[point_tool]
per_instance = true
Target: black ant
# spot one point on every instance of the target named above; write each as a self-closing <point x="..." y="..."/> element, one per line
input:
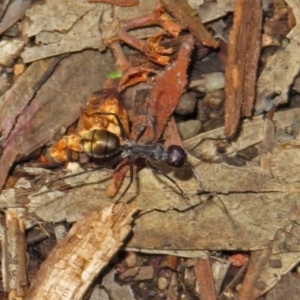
<point x="101" y="143"/>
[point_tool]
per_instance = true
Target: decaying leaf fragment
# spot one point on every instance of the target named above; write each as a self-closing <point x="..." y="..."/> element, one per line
<point x="38" y="106"/>
<point x="150" y="47"/>
<point x="164" y="96"/>
<point x="73" y="29"/>
<point x="103" y="101"/>
<point x="242" y="63"/>
<point x="76" y="28"/>
<point x="74" y="263"/>
<point x="188" y="18"/>
<point x="274" y="83"/>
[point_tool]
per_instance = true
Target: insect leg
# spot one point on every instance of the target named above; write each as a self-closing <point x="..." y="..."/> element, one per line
<point x="158" y="171"/>
<point x="202" y="185"/>
<point x="141" y="134"/>
<point x="112" y="162"/>
<point x="131" y="174"/>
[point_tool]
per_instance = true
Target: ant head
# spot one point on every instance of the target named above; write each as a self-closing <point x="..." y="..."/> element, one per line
<point x="176" y="156"/>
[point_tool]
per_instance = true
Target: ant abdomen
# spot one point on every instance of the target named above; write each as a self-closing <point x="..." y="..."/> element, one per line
<point x="176" y="156"/>
<point x="100" y="143"/>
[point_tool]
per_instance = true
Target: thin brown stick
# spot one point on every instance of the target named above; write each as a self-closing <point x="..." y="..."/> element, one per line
<point x="258" y="259"/>
<point x="242" y="63"/>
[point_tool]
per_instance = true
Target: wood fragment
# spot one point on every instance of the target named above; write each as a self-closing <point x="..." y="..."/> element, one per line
<point x="188" y="18"/>
<point x="164" y="96"/>
<point x="170" y="262"/>
<point x="228" y="291"/>
<point x="138" y="273"/>
<point x="205" y="279"/>
<point x="173" y="288"/>
<point x="13" y="255"/>
<point x="257" y="261"/>
<point x="75" y="262"/>
<point x="242" y="62"/>
<point x="163" y="101"/>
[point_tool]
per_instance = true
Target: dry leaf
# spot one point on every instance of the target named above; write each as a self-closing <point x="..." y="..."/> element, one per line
<point x="274" y="83"/>
<point x="33" y="111"/>
<point x="77" y="28"/>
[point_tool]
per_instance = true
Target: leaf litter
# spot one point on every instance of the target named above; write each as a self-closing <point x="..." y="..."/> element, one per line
<point x="261" y="196"/>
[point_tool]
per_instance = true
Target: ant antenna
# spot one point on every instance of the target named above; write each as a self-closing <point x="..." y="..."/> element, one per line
<point x="208" y="138"/>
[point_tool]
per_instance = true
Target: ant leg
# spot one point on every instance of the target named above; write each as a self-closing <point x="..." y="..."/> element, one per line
<point x="122" y="131"/>
<point x="115" y="160"/>
<point x="201" y="141"/>
<point x="212" y="193"/>
<point x="141" y="133"/>
<point x="158" y="171"/>
<point x="131" y="174"/>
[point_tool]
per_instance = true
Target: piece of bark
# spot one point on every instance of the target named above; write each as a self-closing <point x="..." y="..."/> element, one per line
<point x="205" y="279"/>
<point x="172" y="293"/>
<point x="30" y="116"/>
<point x="14" y="255"/>
<point x="74" y="263"/>
<point x="188" y="18"/>
<point x="257" y="261"/>
<point x="242" y="63"/>
<point x="164" y="96"/>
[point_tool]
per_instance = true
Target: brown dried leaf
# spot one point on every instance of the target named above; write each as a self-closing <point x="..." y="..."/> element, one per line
<point x="164" y="96"/>
<point x="274" y="83"/>
<point x="210" y="10"/>
<point x="188" y="18"/>
<point x="30" y="117"/>
<point x="103" y="101"/>
<point x="133" y="76"/>
<point x="287" y="288"/>
<point x="13" y="11"/>
<point x="78" y="28"/>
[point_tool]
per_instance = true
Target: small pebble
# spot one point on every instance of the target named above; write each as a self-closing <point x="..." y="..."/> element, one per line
<point x="186" y="104"/>
<point x="9" y="50"/>
<point x="19" y="69"/>
<point x="131" y="260"/>
<point x="61" y="231"/>
<point x="189" y="128"/>
<point x="214" y="99"/>
<point x="162" y="283"/>
<point x="214" y="81"/>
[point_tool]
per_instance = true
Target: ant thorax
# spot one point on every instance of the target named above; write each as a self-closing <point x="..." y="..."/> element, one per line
<point x="154" y="152"/>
